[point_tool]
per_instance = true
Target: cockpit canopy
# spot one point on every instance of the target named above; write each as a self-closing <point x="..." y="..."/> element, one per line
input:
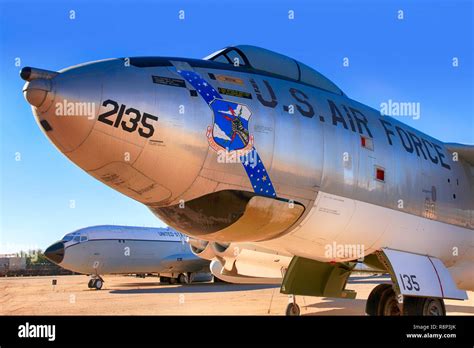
<point x="274" y="63"/>
<point x="75" y="236"/>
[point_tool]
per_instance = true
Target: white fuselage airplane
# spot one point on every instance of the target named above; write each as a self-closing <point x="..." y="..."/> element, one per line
<point x="251" y="146"/>
<point x="100" y="250"/>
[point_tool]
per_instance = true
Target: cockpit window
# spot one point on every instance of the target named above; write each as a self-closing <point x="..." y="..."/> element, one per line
<point x="235" y="58"/>
<point x="221" y="59"/>
<point x="71" y="236"/>
<point x="68" y="237"/>
<point x="83" y="238"/>
<point x="77" y="238"/>
<point x="273" y="63"/>
<point x="228" y="56"/>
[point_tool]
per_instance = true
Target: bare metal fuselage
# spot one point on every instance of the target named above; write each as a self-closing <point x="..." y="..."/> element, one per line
<point x="309" y="139"/>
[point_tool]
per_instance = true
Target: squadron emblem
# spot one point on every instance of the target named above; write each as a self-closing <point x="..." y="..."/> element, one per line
<point x="230" y="129"/>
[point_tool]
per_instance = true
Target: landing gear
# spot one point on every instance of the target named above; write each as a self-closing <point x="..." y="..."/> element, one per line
<point x="168" y="280"/>
<point x="183" y="278"/>
<point x="292" y="309"/>
<point x="424" y="306"/>
<point x="373" y="302"/>
<point x="383" y="301"/>
<point x="388" y="305"/>
<point x="96" y="282"/>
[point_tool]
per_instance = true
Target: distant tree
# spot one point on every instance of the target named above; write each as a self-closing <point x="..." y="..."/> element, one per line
<point x="35" y="257"/>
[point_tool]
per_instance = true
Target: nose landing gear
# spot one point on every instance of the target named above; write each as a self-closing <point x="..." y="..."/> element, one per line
<point x="292" y="309"/>
<point x="96" y="282"/>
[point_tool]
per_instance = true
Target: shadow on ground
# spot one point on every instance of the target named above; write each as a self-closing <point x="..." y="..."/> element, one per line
<point x="335" y="307"/>
<point x="192" y="288"/>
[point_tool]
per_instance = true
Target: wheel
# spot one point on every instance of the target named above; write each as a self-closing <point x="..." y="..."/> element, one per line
<point x="292" y="310"/>
<point x="98" y="284"/>
<point x="425" y="306"/>
<point x="388" y="304"/>
<point x="173" y="280"/>
<point x="164" y="280"/>
<point x="90" y="285"/>
<point x="372" y="305"/>
<point x="183" y="278"/>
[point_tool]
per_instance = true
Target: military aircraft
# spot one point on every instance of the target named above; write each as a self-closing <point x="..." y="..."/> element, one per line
<point x="100" y="250"/>
<point x="252" y="146"/>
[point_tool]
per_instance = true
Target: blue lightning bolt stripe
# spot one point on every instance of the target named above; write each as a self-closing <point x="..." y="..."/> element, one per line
<point x="256" y="172"/>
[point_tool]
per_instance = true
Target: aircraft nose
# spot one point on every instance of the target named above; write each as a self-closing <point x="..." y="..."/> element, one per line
<point x="38" y="84"/>
<point x="64" y="104"/>
<point x="55" y="252"/>
<point x="36" y="91"/>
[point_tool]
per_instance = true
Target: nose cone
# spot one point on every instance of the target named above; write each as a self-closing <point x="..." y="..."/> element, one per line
<point x="55" y="252"/>
<point x="65" y="104"/>
<point x="36" y="91"/>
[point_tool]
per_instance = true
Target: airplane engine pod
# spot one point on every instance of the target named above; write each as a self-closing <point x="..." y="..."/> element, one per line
<point x="219" y="271"/>
<point x="202" y="248"/>
<point x="223" y="250"/>
<point x="254" y="218"/>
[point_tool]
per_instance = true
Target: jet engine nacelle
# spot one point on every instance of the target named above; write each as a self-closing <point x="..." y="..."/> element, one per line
<point x="218" y="271"/>
<point x="202" y="249"/>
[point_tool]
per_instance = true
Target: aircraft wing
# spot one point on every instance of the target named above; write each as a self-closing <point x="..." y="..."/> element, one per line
<point x="464" y="151"/>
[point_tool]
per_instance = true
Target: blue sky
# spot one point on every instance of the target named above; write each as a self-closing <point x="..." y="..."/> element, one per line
<point x="402" y="60"/>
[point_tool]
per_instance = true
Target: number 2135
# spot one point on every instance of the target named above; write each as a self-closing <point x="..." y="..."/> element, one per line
<point x="132" y="123"/>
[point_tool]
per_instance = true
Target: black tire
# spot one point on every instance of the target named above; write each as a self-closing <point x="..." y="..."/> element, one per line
<point x="173" y="280"/>
<point x="423" y="306"/>
<point x="372" y="305"/>
<point x="388" y="304"/>
<point x="98" y="284"/>
<point x="90" y="285"/>
<point x="292" y="310"/>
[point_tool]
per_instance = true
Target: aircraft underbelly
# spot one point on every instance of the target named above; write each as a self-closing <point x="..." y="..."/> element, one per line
<point x="338" y="224"/>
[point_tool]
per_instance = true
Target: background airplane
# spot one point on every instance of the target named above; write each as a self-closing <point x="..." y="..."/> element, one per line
<point x="100" y="250"/>
<point x="249" y="145"/>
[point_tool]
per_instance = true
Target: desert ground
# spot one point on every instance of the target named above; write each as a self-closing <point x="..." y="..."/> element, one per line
<point x="128" y="295"/>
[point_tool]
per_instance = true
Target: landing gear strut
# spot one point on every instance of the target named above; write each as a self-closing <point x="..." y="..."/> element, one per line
<point x="96" y="282"/>
<point x="383" y="301"/>
<point x="292" y="309"/>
